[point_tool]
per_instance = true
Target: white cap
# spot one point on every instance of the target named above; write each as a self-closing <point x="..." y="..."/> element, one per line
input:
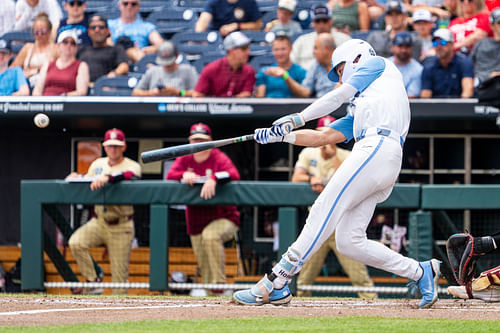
<point x="422" y="15"/>
<point x="236" y="39"/>
<point x="288" y="4"/>
<point x="68" y="33"/>
<point x="444" y="34"/>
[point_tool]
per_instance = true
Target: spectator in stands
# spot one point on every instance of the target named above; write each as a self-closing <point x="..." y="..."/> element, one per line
<point x="472" y="26"/>
<point x="281" y="79"/>
<point x="485" y="54"/>
<point x="316" y="82"/>
<point x="112" y="225"/>
<point x="102" y="58"/>
<point x="409" y="67"/>
<point x="12" y="80"/>
<point x="435" y="7"/>
<point x="167" y="78"/>
<point x="395" y="21"/>
<point x="321" y="17"/>
<point x="423" y="25"/>
<point x="284" y="22"/>
<point x="376" y="8"/>
<point x="316" y="165"/>
<point x="65" y="76"/>
<point x="33" y="56"/>
<point x="7" y="16"/>
<point x="135" y="35"/>
<point x="28" y="10"/>
<point x="209" y="227"/>
<point x="350" y="15"/>
<point x="447" y="74"/>
<point x="77" y="20"/>
<point x="228" y="16"/>
<point x="230" y="76"/>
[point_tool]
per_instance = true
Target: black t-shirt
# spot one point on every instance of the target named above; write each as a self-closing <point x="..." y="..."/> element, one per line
<point x="101" y="60"/>
<point x="81" y="29"/>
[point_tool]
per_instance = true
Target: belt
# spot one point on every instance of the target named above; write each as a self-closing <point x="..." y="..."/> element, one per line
<point x="380" y="131"/>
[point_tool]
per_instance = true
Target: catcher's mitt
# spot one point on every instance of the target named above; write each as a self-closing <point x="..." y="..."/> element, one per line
<point x="460" y="250"/>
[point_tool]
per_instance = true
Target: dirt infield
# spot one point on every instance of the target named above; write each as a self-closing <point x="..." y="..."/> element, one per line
<point x="53" y="310"/>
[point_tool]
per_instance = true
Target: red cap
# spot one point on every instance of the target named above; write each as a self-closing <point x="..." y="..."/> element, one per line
<point x="200" y="131"/>
<point x="325" y="121"/>
<point x="114" y="137"/>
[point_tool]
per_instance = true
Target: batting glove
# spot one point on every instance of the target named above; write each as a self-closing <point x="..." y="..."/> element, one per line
<point x="286" y="124"/>
<point x="264" y="136"/>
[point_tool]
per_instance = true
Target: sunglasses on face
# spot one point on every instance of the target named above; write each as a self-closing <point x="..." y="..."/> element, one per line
<point x="40" y="32"/>
<point x="126" y="3"/>
<point x="440" y="42"/>
<point x="75" y="3"/>
<point x="99" y="26"/>
<point x="69" y="42"/>
<point x="321" y="21"/>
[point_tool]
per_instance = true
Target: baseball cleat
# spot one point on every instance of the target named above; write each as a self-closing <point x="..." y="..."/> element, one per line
<point x="458" y="291"/>
<point x="263" y="293"/>
<point x="428" y="283"/>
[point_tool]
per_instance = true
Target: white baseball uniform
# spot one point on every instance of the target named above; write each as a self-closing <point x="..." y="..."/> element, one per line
<point x="378" y="118"/>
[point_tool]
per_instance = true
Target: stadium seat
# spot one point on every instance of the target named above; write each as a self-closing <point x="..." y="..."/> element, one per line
<point x="194" y="44"/>
<point x="115" y="86"/>
<point x="17" y="39"/>
<point x="267" y="5"/>
<point x="142" y="65"/>
<point x="261" y="61"/>
<point x="196" y="5"/>
<point x="169" y="21"/>
<point x="95" y="6"/>
<point x="360" y="34"/>
<point x="200" y="63"/>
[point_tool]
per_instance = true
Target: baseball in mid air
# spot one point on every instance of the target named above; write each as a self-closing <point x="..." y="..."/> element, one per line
<point x="41" y="120"/>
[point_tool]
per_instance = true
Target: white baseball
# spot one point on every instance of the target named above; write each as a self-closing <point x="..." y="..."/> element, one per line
<point x="41" y="120"/>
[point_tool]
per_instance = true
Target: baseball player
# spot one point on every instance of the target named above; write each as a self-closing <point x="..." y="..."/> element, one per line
<point x="378" y="119"/>
<point x="316" y="165"/>
<point x="111" y="226"/>
<point x="463" y="252"/>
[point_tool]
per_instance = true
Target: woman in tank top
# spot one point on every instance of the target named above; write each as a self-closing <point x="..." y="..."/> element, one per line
<point x="350" y="15"/>
<point x="65" y="76"/>
<point x="33" y="56"/>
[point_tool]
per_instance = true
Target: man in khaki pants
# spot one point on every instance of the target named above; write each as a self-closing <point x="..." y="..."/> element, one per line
<point x="316" y="165"/>
<point x="209" y="227"/>
<point x="112" y="225"/>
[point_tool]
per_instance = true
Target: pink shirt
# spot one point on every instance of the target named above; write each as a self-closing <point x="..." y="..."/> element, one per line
<point x="218" y="79"/>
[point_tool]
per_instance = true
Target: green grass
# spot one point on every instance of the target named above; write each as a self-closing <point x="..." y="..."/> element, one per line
<point x="276" y="324"/>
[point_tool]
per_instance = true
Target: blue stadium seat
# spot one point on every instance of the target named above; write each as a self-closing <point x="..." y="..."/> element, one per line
<point x="194" y="44"/>
<point x="142" y="65"/>
<point x="196" y="5"/>
<point x="200" y="63"/>
<point x="17" y="39"/>
<point x="115" y="86"/>
<point x="261" y="61"/>
<point x="169" y="21"/>
<point x="267" y="5"/>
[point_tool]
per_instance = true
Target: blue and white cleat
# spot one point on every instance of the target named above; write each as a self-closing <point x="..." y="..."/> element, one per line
<point x="428" y="283"/>
<point x="263" y="293"/>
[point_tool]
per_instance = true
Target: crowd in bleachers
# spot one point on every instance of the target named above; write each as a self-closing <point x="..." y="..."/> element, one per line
<point x="239" y="48"/>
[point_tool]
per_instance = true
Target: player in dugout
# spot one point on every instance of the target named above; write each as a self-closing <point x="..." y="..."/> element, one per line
<point x="111" y="225"/>
<point x="378" y="118"/>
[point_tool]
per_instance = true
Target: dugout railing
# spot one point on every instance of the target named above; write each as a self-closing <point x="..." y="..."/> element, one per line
<point x="38" y="195"/>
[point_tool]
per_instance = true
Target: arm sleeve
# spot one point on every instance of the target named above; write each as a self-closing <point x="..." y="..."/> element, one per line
<point x="255" y="13"/>
<point x="260" y="78"/>
<point x="20" y="79"/>
<point x="176" y="170"/>
<point x="344" y="125"/>
<point x="467" y="67"/>
<point x="329" y="102"/>
<point x="225" y="164"/>
<point x="426" y="79"/>
<point x="367" y="73"/>
<point x="203" y="84"/>
<point x="192" y="79"/>
<point x="250" y="82"/>
<point x="145" y="81"/>
<point x="308" y="81"/>
<point x="302" y="161"/>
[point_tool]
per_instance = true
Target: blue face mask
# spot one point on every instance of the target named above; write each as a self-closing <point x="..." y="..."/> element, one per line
<point x="441" y="42"/>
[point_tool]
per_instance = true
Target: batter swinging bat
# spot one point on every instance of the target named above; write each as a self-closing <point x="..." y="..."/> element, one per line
<point x="190" y="148"/>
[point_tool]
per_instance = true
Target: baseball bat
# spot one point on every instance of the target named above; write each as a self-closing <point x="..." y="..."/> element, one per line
<point x="190" y="148"/>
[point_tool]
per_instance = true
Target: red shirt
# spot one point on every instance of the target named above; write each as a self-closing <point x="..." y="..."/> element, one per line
<point x="198" y="217"/>
<point x="59" y="81"/>
<point x="463" y="27"/>
<point x="218" y="79"/>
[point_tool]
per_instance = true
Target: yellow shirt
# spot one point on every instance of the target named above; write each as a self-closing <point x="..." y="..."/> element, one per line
<point x="310" y="160"/>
